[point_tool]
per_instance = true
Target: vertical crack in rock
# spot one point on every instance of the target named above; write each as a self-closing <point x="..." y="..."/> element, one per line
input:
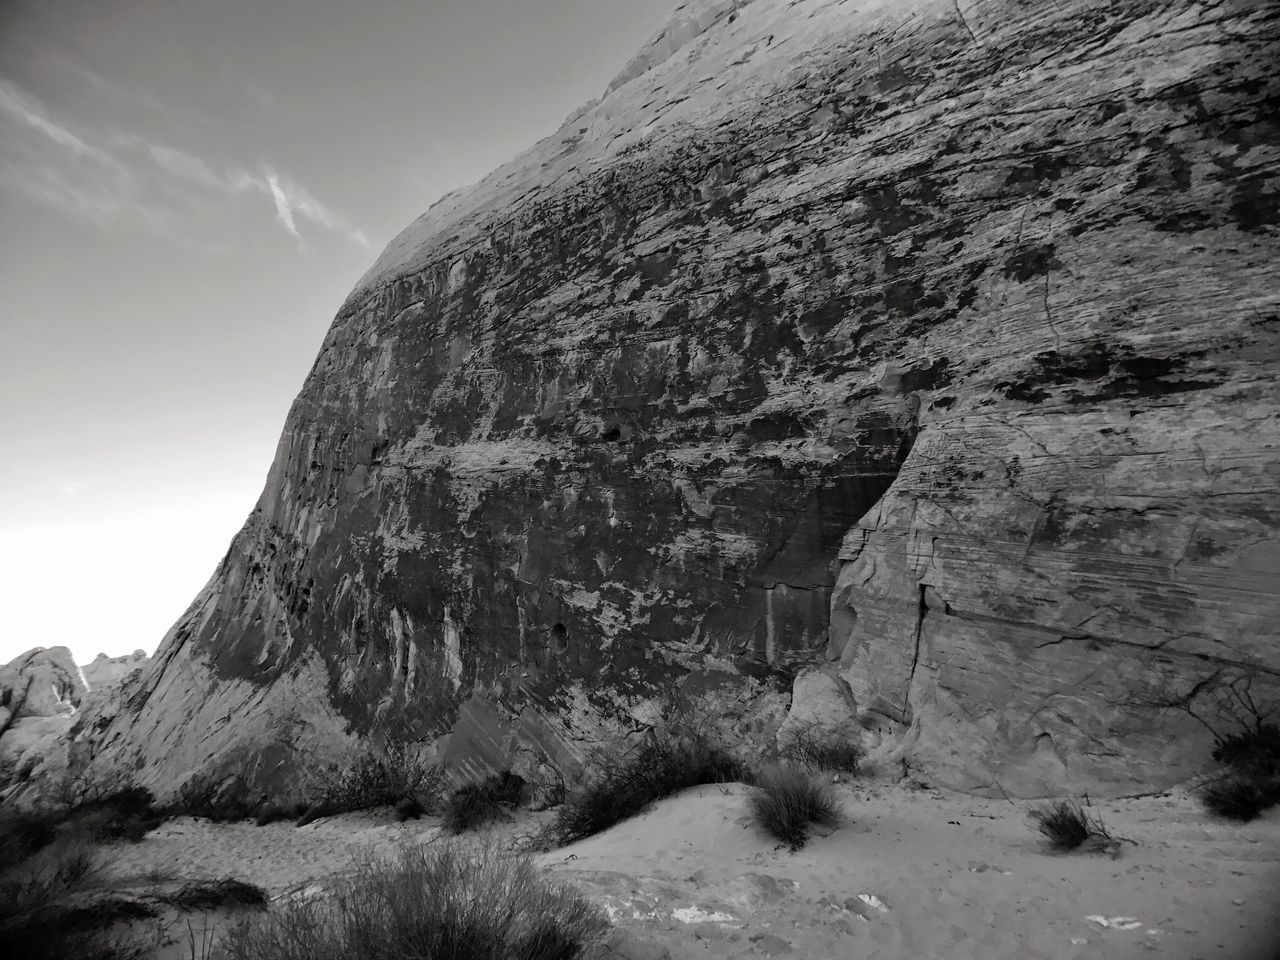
<point x="922" y="609"/>
<point x="964" y="22"/>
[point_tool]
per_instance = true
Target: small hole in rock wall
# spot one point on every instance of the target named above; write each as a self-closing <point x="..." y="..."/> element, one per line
<point x="559" y="638"/>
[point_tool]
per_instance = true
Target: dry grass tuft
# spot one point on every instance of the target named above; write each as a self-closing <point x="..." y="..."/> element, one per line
<point x="1067" y="826"/>
<point x="444" y="900"/>
<point x="787" y="803"/>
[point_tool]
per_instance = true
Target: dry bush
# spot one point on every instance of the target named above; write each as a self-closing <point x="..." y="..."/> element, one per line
<point x="1234" y="705"/>
<point x="1067" y="826"/>
<point x="377" y="779"/>
<point x="1252" y="783"/>
<point x="666" y="764"/>
<point x="127" y="814"/>
<point x="1241" y="796"/>
<point x="822" y="750"/>
<point x="474" y="804"/>
<point x="54" y="903"/>
<point x="52" y="909"/>
<point x="202" y="796"/>
<point x="1254" y="748"/>
<point x="439" y="901"/>
<point x="788" y="802"/>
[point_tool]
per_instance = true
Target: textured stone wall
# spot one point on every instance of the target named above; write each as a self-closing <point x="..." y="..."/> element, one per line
<point x="927" y="346"/>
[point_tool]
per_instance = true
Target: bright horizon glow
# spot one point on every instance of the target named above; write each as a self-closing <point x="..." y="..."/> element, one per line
<point x="103" y="614"/>
<point x="188" y="192"/>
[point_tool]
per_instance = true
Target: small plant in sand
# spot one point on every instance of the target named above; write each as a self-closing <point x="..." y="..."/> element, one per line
<point x="1067" y="826"/>
<point x="473" y="804"/>
<point x="787" y="803"/>
<point x="619" y="790"/>
<point x="821" y="749"/>
<point x="441" y="900"/>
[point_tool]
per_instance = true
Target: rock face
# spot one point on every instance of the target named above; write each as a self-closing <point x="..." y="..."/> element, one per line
<point x="43" y="694"/>
<point x="40" y="693"/>
<point x="934" y="342"/>
<point x="43" y="682"/>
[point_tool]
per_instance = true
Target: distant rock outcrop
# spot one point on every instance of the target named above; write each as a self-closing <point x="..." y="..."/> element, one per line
<point x="43" y="682"/>
<point x="934" y="343"/>
<point x="110" y="672"/>
<point x="42" y="695"/>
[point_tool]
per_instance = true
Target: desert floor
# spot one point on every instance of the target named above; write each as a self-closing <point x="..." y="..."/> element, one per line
<point x="917" y="874"/>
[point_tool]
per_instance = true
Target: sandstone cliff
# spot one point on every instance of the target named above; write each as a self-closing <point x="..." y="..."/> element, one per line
<point x="923" y="351"/>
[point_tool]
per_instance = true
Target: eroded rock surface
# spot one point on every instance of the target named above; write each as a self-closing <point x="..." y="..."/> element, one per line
<point x="935" y="342"/>
<point x="104" y="672"/>
<point x="43" y="694"/>
<point x="43" y="682"/>
<point x="40" y="694"/>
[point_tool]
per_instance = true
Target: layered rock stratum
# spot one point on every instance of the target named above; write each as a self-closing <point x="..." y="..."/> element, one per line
<point x="918" y="356"/>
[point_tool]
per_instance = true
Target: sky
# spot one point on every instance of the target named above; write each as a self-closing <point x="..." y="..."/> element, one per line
<point x="188" y="191"/>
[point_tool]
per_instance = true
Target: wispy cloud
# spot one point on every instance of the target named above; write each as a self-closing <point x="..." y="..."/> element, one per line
<point x="293" y="199"/>
<point x="126" y="177"/>
<point x="284" y="209"/>
<point x="24" y="108"/>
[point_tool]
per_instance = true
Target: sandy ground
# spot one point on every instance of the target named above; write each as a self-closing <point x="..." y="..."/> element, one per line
<point x="913" y="874"/>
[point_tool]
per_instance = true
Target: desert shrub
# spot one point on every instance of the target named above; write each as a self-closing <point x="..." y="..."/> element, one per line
<point x="128" y="814"/>
<point x="1067" y="826"/>
<point x="378" y="779"/>
<point x="48" y="908"/>
<point x="1241" y="796"/>
<point x="823" y="750"/>
<point x="618" y="791"/>
<point x="1246" y="737"/>
<point x="269" y="812"/>
<point x="787" y="803"/>
<point x="407" y="808"/>
<point x="439" y="901"/>
<point x="54" y="903"/>
<point x="1251" y="785"/>
<point x="1252" y="782"/>
<point x="23" y="833"/>
<point x="1252" y="750"/>
<point x="473" y="804"/>
<point x="201" y="796"/>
